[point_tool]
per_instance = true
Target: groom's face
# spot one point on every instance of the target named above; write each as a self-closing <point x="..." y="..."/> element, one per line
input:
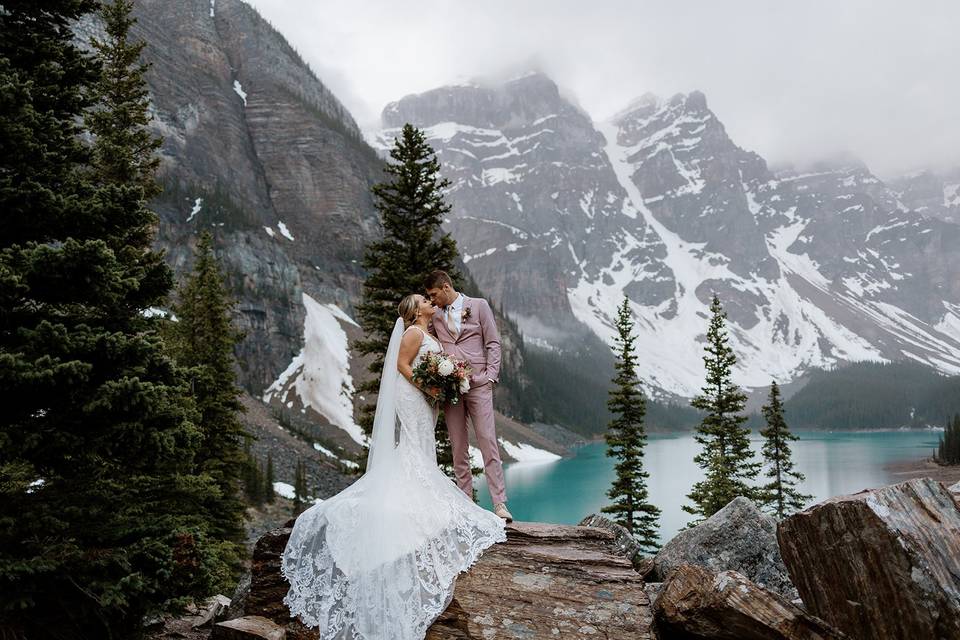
<point x="441" y="296"/>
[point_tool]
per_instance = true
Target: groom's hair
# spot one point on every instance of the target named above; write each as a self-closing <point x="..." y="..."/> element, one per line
<point x="436" y="280"/>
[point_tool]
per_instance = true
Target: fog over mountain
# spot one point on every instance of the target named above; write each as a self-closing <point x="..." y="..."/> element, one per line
<point x="795" y="82"/>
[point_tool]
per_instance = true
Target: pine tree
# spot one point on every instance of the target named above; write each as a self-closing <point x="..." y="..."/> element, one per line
<point x="726" y="457"/>
<point x="780" y="495"/>
<point x="98" y="499"/>
<point x="269" y="480"/>
<point x="412" y="209"/>
<point x="626" y="438"/>
<point x="203" y="340"/>
<point x="948" y="451"/>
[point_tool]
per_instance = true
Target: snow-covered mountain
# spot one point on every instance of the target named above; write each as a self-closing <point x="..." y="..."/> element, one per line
<point x="561" y="217"/>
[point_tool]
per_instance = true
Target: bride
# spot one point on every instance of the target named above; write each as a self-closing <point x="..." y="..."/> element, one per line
<point x="379" y="559"/>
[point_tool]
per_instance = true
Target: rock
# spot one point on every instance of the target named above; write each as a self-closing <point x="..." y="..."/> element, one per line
<point x="738" y="538"/>
<point x="238" y="602"/>
<point x="696" y="603"/>
<point x="544" y="581"/>
<point x="954" y="489"/>
<point x="248" y="628"/>
<point x="548" y="581"/>
<point x="213" y="609"/>
<point x="267" y="584"/>
<point x="880" y="564"/>
<point x="626" y="543"/>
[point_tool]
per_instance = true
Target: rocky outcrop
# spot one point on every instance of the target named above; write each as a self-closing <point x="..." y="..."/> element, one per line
<point x="880" y="564"/>
<point x="697" y="603"/>
<point x="544" y="581"/>
<point x="738" y="538"/>
<point x="626" y="544"/>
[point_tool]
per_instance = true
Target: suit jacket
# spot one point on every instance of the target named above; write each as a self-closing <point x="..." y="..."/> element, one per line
<point x="478" y="342"/>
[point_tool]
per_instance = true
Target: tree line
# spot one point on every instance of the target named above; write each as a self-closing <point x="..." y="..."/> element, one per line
<point x="728" y="463"/>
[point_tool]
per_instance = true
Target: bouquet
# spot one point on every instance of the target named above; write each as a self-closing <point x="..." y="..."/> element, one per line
<point x="443" y="372"/>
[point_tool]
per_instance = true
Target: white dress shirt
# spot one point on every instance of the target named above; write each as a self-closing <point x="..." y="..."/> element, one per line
<point x="456" y="308"/>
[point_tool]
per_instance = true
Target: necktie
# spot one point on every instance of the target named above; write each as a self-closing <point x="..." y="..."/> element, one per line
<point x="451" y="326"/>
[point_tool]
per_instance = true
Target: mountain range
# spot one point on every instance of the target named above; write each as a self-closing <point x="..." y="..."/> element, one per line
<point x="560" y="217"/>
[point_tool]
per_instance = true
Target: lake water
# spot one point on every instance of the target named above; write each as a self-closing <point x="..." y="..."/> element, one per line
<point x="567" y="490"/>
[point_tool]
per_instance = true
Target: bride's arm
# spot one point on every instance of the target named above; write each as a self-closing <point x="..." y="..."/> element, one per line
<point x="409" y="346"/>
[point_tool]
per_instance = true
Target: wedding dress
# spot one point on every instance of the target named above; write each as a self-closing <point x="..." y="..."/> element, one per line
<point x="379" y="559"/>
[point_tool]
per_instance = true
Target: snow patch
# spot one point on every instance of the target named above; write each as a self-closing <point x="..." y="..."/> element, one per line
<point x="197" y="205"/>
<point x="270" y="232"/>
<point x="238" y="89"/>
<point x="524" y="452"/>
<point x="320" y="373"/>
<point x="213" y="4"/>
<point x="284" y="231"/>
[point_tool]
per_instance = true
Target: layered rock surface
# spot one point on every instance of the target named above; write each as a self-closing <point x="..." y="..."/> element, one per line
<point x="880" y="564"/>
<point x="544" y="581"/>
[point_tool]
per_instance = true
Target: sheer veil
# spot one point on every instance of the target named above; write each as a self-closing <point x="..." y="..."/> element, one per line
<point x="382" y="440"/>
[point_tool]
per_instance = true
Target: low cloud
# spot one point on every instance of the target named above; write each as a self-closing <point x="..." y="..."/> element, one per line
<point x="794" y="81"/>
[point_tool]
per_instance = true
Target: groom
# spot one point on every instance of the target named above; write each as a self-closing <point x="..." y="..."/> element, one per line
<point x="466" y="329"/>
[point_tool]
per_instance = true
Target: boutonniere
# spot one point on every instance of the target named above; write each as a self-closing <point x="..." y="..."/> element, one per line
<point x="465" y="314"/>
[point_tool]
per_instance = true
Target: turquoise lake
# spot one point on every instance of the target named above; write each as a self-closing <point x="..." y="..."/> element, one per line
<point x="567" y="490"/>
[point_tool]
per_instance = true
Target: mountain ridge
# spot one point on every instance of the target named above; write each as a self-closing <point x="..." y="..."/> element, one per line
<point x="659" y="204"/>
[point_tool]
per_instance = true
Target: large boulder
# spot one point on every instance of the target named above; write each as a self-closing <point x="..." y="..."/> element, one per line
<point x="880" y="564"/>
<point x="545" y="581"/>
<point x="696" y="603"/>
<point x="738" y="538"/>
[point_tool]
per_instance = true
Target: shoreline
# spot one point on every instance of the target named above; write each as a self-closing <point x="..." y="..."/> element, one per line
<point x="903" y="470"/>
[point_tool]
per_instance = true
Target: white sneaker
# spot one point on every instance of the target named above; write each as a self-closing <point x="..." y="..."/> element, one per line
<point x="501" y="510"/>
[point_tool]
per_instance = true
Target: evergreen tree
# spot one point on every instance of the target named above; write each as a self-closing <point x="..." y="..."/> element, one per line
<point x="203" y="340"/>
<point x="99" y="524"/>
<point x="269" y="480"/>
<point x="948" y="451"/>
<point x="254" y="485"/>
<point x="726" y="457"/>
<point x="626" y="438"/>
<point x="412" y="209"/>
<point x="780" y="495"/>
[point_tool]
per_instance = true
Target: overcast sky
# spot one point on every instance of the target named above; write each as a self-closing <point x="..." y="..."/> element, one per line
<point x="795" y="81"/>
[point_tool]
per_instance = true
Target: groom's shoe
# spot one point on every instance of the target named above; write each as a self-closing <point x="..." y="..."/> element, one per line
<point x="501" y="510"/>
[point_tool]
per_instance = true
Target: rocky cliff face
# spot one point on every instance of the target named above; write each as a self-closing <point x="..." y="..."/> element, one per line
<point x="258" y="150"/>
<point x="564" y="217"/>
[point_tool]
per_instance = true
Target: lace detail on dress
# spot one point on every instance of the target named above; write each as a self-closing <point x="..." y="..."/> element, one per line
<point x="431" y="532"/>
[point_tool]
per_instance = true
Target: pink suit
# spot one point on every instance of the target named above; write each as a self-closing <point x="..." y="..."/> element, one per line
<point x="478" y="343"/>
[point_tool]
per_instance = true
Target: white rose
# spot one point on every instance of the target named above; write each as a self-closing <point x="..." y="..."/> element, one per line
<point x="445" y="368"/>
<point x="464" y="385"/>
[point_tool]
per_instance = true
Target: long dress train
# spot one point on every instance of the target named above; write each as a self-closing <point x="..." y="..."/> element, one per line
<point x="379" y="559"/>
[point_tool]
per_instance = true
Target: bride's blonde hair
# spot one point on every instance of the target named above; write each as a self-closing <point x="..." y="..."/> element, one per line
<point x="407" y="309"/>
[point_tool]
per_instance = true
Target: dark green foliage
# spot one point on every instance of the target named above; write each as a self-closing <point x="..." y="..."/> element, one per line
<point x="948" y="452"/>
<point x="780" y="496"/>
<point x="412" y="208"/>
<point x="726" y="457"/>
<point x="100" y="516"/>
<point x="871" y="395"/>
<point x="626" y="439"/>
<point x="254" y="481"/>
<point x="571" y="390"/>
<point x="202" y="340"/>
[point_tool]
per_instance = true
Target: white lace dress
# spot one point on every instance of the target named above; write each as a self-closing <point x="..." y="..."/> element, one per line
<point x="378" y="560"/>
